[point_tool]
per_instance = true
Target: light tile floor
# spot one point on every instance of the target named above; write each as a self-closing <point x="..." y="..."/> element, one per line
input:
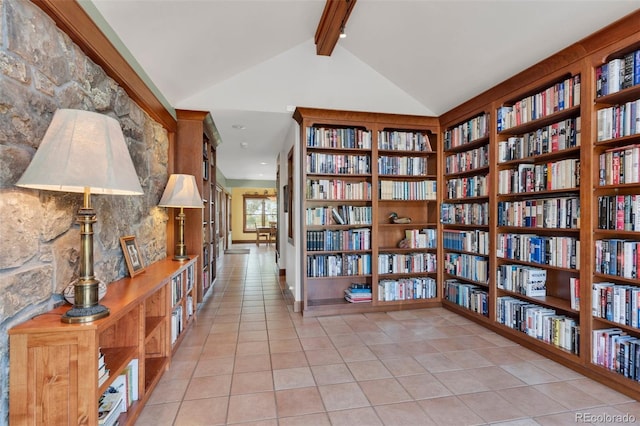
<point x="250" y="360"/>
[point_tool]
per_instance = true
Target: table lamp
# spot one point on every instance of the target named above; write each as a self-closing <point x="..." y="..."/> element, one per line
<point x="83" y="152"/>
<point x="181" y="192"/>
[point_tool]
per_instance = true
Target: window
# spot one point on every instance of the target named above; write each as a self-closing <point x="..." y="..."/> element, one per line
<point x="259" y="211"/>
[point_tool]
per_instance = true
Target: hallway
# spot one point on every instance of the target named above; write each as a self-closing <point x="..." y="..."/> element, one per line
<point x="250" y="360"/>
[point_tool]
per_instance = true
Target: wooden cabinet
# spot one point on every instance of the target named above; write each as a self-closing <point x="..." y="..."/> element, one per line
<point x="196" y="142"/>
<point x="54" y="366"/>
<point x="356" y="170"/>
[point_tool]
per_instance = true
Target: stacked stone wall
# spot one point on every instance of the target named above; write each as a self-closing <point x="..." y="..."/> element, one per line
<point x="42" y="70"/>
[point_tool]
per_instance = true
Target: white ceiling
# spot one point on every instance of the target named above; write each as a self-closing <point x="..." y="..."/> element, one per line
<point x="249" y="61"/>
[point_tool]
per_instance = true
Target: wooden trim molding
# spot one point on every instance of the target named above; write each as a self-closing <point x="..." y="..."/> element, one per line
<point x="71" y="18"/>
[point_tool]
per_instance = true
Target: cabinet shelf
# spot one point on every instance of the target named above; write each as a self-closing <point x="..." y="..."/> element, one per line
<point x="466" y="200"/>
<point x="608" y="324"/>
<point x="537" y="230"/>
<point x="550" y="301"/>
<point x="400" y="153"/>
<point x="452" y="250"/>
<point x="468" y="146"/>
<point x="467" y="280"/>
<point x="547" y="347"/>
<point x="616" y="278"/>
<point x="540" y="194"/>
<point x="541" y="122"/>
<point x="543" y="158"/>
<point x="116" y="359"/>
<point x="406" y="250"/>
<point x="472" y="172"/>
<point x="406" y="274"/>
<point x="537" y="265"/>
<point x="625" y="95"/>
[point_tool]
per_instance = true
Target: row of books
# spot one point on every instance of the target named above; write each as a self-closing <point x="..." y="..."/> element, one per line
<point x="190" y="275"/>
<point x="399" y="166"/>
<point x="177" y="323"/>
<point x="350" y="138"/>
<point x="554" y="213"/>
<point x="469" y="296"/>
<point x="563" y="252"/>
<point x="407" y="289"/>
<point x="527" y="178"/>
<point x="618" y="74"/>
<point x="406" y="263"/>
<point x="344" y="164"/>
<point x="334" y="240"/>
<point x="358" y="293"/>
<point x="421" y="238"/>
<point x="176" y="289"/>
<point x="619" y="166"/>
<point x="619" y="212"/>
<point x="338" y="265"/>
<point x="522" y="279"/>
<point x="617" y="351"/>
<point x="338" y="215"/>
<point x="466" y="161"/>
<point x="469" y="131"/>
<point x="476" y="240"/>
<point x="618" y="257"/>
<point x="103" y="371"/>
<point x="472" y="186"/>
<point x="539" y="322"/>
<point x="119" y="396"/>
<point x="408" y="190"/>
<point x="337" y="189"/>
<point x="466" y="266"/>
<point x="560" y="96"/>
<point x="618" y="121"/>
<point x="395" y="140"/>
<point x="616" y="303"/>
<point x="555" y="137"/>
<point x="464" y="213"/>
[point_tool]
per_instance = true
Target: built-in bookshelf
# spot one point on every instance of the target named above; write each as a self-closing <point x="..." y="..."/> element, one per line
<point x="196" y="141"/>
<point x="370" y="188"/>
<point x="562" y="208"/>
<point x="130" y="350"/>
<point x="614" y="293"/>
<point x="464" y="213"/>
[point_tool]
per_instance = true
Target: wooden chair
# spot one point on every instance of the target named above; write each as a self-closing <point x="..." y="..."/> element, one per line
<point x="263" y="233"/>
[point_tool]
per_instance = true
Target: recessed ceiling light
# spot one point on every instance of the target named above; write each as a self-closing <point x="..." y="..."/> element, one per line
<point x="263" y="163"/>
<point x="239" y="126"/>
<point x="244" y="145"/>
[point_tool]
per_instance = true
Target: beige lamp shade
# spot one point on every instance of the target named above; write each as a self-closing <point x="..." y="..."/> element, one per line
<point x="82" y="149"/>
<point x="181" y="191"/>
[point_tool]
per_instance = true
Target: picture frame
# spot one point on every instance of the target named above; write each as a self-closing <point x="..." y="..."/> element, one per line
<point x="132" y="255"/>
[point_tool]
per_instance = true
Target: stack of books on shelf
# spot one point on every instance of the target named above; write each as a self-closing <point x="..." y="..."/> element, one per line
<point x="176" y="323"/>
<point x="110" y="405"/>
<point x="615" y="350"/>
<point x="103" y="371"/>
<point x="521" y="279"/>
<point x="358" y="293"/>
<point x="618" y="74"/>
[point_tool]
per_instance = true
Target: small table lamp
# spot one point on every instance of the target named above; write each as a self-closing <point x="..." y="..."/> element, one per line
<point x="83" y="152"/>
<point x="181" y="192"/>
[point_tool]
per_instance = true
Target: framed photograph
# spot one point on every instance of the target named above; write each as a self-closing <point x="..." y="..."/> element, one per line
<point x="132" y="255"/>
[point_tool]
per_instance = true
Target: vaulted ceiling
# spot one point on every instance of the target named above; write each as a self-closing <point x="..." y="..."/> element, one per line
<point x="250" y="62"/>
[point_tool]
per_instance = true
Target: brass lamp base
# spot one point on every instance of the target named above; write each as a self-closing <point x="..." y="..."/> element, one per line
<point x="78" y="315"/>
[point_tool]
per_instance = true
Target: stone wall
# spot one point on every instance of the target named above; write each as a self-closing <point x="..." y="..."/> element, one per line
<point x="41" y="70"/>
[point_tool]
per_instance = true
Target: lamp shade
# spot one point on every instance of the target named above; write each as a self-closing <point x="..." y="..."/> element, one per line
<point x="82" y="149"/>
<point x="181" y="191"/>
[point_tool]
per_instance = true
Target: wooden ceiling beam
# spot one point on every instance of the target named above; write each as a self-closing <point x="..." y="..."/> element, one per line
<point x="334" y="18"/>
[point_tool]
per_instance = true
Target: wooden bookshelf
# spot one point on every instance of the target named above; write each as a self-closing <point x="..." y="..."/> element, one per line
<point x="138" y="327"/>
<point x="196" y="140"/>
<point x="396" y="168"/>
<point x="519" y="153"/>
